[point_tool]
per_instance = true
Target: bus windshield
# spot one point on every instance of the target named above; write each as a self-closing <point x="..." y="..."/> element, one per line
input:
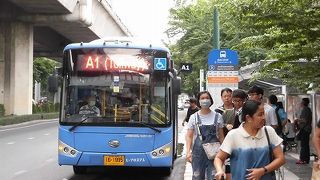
<point x="114" y="86"/>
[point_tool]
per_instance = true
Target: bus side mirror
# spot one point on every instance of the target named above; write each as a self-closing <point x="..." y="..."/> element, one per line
<point x="176" y="85"/>
<point x="53" y="84"/>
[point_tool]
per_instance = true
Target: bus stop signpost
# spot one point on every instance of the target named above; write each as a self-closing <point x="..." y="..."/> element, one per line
<point x="223" y="72"/>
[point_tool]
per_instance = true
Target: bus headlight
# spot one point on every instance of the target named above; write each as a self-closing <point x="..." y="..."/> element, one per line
<point x="67" y="150"/>
<point x="163" y="151"/>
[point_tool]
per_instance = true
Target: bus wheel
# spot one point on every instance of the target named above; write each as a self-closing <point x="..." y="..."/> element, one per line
<point x="79" y="169"/>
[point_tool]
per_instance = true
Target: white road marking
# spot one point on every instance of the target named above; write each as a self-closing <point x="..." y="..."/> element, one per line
<point x="20" y="172"/>
<point x="64" y="179"/>
<point x="10" y="143"/>
<point x="49" y="160"/>
<point x="46" y="134"/>
<point x="30" y="138"/>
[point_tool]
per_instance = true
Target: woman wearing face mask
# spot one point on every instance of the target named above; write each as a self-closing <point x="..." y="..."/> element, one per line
<point x="211" y="127"/>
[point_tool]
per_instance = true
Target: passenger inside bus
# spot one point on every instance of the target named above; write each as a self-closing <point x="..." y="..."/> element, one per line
<point x="90" y="107"/>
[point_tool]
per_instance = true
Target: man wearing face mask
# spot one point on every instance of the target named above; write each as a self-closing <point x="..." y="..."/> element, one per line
<point x="91" y="107"/>
<point x="210" y="124"/>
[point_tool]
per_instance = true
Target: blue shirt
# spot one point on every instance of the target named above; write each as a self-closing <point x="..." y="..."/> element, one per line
<point x="282" y="114"/>
<point x="247" y="151"/>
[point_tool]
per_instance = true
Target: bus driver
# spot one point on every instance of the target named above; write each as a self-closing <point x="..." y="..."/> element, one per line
<point x="90" y="107"/>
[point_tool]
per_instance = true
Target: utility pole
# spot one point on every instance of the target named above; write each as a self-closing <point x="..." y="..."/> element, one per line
<point x="216" y="45"/>
<point x="216" y="31"/>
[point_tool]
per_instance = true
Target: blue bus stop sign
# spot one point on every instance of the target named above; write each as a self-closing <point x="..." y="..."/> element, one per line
<point x="223" y="60"/>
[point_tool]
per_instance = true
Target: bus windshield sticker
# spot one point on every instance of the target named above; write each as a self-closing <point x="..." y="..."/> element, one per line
<point x="116" y="78"/>
<point x="116" y="89"/>
<point x="160" y="64"/>
<point x="159" y="91"/>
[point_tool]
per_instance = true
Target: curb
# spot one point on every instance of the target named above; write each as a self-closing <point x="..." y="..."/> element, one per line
<point x="27" y="123"/>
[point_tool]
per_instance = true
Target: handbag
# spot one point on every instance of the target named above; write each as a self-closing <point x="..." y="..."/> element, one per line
<point x="273" y="174"/>
<point x="211" y="149"/>
<point x="315" y="171"/>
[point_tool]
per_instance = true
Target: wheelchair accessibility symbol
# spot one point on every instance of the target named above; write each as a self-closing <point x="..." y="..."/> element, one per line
<point x="160" y="64"/>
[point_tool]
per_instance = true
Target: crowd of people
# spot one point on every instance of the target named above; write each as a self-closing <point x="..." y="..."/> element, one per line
<point x="253" y="135"/>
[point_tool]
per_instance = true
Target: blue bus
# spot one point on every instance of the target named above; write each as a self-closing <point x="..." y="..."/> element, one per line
<point x="118" y="105"/>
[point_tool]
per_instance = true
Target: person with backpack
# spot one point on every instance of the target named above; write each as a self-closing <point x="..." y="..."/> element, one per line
<point x="256" y="93"/>
<point x="280" y="114"/>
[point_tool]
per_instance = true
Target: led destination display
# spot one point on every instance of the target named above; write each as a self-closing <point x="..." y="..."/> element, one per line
<point x="116" y="62"/>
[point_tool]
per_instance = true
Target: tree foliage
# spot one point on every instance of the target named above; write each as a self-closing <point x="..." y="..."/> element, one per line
<point x="193" y="24"/>
<point x="42" y="69"/>
<point x="287" y="31"/>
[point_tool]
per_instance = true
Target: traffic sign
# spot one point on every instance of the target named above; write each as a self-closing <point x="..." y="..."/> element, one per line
<point x="223" y="60"/>
<point x="186" y="67"/>
<point x="160" y="64"/>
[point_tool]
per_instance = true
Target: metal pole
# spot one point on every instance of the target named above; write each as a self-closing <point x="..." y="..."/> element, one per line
<point x="216" y="31"/>
<point x="201" y="79"/>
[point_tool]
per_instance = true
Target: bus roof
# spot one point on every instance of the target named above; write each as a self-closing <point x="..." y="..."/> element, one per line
<point x="119" y="42"/>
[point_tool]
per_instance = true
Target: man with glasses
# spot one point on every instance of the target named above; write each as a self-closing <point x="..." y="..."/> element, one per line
<point x="232" y="118"/>
<point x="239" y="97"/>
<point x="256" y="93"/>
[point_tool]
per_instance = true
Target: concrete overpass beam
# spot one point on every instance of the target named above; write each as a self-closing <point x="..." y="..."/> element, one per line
<point x="16" y="67"/>
<point x="81" y="14"/>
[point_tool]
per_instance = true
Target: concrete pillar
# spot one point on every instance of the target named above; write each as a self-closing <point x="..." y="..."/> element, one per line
<point x="16" y="62"/>
<point x="37" y="91"/>
<point x="2" y="68"/>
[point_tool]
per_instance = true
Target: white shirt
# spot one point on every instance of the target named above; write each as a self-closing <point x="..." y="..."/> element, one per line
<point x="86" y="109"/>
<point x="270" y="115"/>
<point x="207" y="119"/>
<point x="239" y="112"/>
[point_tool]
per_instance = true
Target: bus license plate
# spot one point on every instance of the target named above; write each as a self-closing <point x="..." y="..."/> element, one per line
<point x="114" y="160"/>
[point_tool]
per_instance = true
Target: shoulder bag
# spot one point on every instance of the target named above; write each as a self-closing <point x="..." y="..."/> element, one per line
<point x="273" y="174"/>
<point x="211" y="149"/>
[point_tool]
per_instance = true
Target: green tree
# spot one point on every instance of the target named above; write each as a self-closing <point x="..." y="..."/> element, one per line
<point x="287" y="31"/>
<point x="195" y="42"/>
<point x="42" y="69"/>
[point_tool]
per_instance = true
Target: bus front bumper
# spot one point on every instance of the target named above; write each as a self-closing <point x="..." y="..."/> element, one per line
<point x="160" y="157"/>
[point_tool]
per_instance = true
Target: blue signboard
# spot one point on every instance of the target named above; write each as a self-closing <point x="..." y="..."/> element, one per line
<point x="223" y="60"/>
<point x="160" y="64"/>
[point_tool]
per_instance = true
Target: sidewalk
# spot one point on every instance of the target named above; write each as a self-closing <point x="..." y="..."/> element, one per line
<point x="292" y="171"/>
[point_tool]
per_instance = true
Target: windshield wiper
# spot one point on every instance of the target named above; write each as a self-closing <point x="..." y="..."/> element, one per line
<point x="79" y="123"/>
<point x="147" y="125"/>
<point x="140" y="123"/>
